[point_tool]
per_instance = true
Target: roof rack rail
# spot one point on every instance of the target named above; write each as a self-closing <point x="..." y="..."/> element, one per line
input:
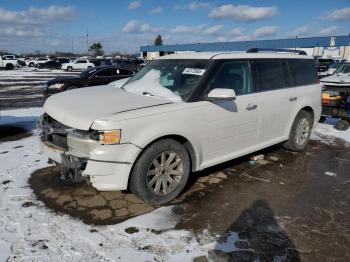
<point x="258" y="50"/>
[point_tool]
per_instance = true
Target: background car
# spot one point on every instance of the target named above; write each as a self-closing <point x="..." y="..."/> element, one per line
<point x="78" y="64"/>
<point x="53" y="64"/>
<point x="92" y="77"/>
<point x="37" y="61"/>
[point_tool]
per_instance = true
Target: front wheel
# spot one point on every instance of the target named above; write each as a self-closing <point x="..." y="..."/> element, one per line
<point x="300" y="132"/>
<point x="69" y="69"/>
<point x="161" y="172"/>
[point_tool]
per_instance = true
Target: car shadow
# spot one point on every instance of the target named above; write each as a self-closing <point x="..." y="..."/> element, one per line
<point x="14" y="128"/>
<point x="255" y="236"/>
<point x="229" y="164"/>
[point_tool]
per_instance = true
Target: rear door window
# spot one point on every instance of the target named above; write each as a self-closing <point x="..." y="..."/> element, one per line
<point x="268" y="75"/>
<point x="303" y="71"/>
<point x="106" y="73"/>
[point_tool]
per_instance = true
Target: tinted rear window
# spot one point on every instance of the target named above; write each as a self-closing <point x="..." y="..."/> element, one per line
<point x="268" y="75"/>
<point x="303" y="71"/>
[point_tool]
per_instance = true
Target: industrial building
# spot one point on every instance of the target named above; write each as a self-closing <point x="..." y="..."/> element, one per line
<point x="327" y="46"/>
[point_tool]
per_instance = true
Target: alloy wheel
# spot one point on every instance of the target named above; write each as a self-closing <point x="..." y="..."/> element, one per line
<point x="165" y="172"/>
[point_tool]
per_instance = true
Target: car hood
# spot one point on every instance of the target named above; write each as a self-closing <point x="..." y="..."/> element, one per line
<point x="81" y="107"/>
<point x="337" y="78"/>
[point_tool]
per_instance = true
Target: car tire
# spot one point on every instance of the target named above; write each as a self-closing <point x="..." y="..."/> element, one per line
<point x="31" y="64"/>
<point x="300" y="132"/>
<point x="342" y="125"/>
<point x="69" y="68"/>
<point x="9" y="67"/>
<point x="149" y="178"/>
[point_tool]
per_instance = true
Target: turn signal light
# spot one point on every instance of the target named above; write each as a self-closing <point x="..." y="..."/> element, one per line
<point x="110" y="137"/>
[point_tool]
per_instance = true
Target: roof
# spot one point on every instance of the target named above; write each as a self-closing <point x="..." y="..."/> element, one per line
<point x="233" y="55"/>
<point x="245" y="45"/>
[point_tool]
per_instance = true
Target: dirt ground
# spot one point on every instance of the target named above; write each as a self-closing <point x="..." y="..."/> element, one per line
<point x="292" y="205"/>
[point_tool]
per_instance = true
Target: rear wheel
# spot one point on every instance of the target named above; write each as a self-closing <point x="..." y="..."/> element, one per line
<point x="300" y="132"/>
<point x="9" y="67"/>
<point x="161" y="172"/>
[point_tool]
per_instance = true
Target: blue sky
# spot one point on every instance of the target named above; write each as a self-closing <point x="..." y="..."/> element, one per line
<point x="125" y="25"/>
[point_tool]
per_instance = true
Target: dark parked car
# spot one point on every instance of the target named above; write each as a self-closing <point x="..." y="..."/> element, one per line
<point x="53" y="64"/>
<point x="101" y="62"/>
<point x="322" y="64"/>
<point x="91" y="77"/>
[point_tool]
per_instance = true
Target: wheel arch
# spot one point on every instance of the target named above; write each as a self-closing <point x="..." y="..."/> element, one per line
<point x="305" y="107"/>
<point x="180" y="139"/>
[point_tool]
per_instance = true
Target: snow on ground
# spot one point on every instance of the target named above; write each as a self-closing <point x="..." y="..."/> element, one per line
<point x="326" y="132"/>
<point x="35" y="233"/>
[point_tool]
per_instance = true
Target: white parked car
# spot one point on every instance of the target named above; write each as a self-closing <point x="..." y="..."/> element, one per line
<point x="36" y="61"/>
<point x="179" y="114"/>
<point x="340" y="78"/>
<point x="8" y="62"/>
<point x="78" y="64"/>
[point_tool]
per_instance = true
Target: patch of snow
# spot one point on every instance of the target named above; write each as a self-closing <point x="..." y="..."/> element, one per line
<point x="325" y="132"/>
<point x="328" y="173"/>
<point x="150" y="85"/>
<point x="36" y="233"/>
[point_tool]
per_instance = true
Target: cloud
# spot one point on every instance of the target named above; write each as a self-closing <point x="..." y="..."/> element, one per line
<point x="199" y="29"/>
<point x="243" y="13"/>
<point x="235" y="31"/>
<point x="341" y="14"/>
<point x="134" y="5"/>
<point x="157" y="10"/>
<point x="135" y="26"/>
<point x="18" y="32"/>
<point x="193" y="6"/>
<point x="265" y="31"/>
<point x="331" y="30"/>
<point x="188" y="29"/>
<point x="213" y="30"/>
<point x="300" y="31"/>
<point x="38" y="15"/>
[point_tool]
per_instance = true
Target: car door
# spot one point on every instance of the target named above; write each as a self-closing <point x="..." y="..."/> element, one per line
<point x="230" y="126"/>
<point x="273" y="82"/>
<point x="102" y="77"/>
<point x="80" y="64"/>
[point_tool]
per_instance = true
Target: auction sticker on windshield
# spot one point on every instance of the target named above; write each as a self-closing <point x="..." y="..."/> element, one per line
<point x="193" y="71"/>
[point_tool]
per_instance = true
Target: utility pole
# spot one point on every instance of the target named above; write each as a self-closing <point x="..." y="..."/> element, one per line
<point x="72" y="45"/>
<point x="87" y="40"/>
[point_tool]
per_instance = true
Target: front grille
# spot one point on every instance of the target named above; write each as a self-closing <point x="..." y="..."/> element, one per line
<point x="53" y="131"/>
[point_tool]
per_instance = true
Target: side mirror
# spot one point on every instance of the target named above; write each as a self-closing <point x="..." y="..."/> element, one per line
<point x="222" y="94"/>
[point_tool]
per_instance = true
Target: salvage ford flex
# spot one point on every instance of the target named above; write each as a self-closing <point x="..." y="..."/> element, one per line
<point x="179" y="114"/>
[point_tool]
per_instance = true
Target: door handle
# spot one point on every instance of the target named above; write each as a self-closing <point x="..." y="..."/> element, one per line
<point x="293" y="98"/>
<point x="251" y="106"/>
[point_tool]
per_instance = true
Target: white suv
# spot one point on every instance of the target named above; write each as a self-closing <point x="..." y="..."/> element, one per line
<point x="78" y="64"/>
<point x="179" y="114"/>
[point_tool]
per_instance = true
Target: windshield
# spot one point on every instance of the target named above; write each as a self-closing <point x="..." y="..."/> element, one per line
<point x="172" y="79"/>
<point x="343" y="69"/>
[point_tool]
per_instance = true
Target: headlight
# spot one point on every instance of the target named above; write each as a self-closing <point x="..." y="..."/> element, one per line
<point x="56" y="86"/>
<point x="111" y="137"/>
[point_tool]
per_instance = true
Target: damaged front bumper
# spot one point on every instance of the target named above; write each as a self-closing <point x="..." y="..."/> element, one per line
<point x="106" y="167"/>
